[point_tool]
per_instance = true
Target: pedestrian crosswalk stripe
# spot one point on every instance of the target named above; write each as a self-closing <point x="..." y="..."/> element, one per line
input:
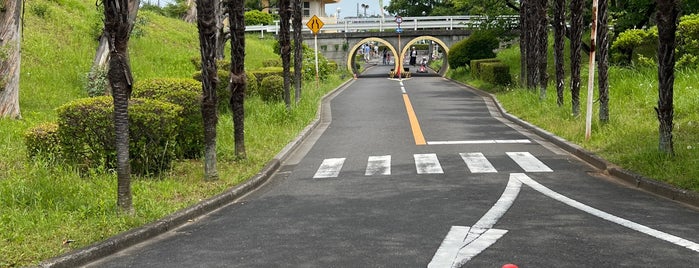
<point x="378" y="165"/>
<point x="427" y="164"/>
<point x="528" y="162"/>
<point x="477" y="163"/>
<point x="330" y="168"/>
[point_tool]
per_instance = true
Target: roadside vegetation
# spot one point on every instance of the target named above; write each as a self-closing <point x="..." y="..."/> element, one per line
<point x="48" y="209"/>
<point x="630" y="138"/>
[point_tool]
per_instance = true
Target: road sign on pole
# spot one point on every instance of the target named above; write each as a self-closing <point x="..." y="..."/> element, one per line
<point x="315" y="24"/>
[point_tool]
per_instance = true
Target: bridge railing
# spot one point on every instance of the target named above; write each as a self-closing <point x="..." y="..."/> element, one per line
<point x="409" y="23"/>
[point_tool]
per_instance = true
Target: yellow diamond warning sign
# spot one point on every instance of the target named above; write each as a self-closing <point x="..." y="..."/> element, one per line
<point x="315" y="24"/>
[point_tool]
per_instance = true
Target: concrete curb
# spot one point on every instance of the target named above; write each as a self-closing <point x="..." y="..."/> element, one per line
<point x="129" y="238"/>
<point x="687" y="197"/>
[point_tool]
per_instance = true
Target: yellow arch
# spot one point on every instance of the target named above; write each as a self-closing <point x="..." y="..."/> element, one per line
<point x="350" y="59"/>
<point x="444" y="46"/>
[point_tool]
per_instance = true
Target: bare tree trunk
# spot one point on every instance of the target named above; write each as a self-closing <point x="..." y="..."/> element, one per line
<point x="576" y="9"/>
<point x="221" y="35"/>
<point x="102" y="51"/>
<point x="206" y="22"/>
<point x="298" y="49"/>
<point x="533" y="54"/>
<point x="603" y="60"/>
<point x="10" y="41"/>
<point x="191" y="15"/>
<point x="284" y="41"/>
<point x="118" y="28"/>
<point x="542" y="46"/>
<point x="523" y="41"/>
<point x="238" y="81"/>
<point x="559" y="28"/>
<point x="668" y="12"/>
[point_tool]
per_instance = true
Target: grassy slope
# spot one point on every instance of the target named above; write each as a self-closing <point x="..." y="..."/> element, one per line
<point x="42" y="205"/>
<point x="630" y="139"/>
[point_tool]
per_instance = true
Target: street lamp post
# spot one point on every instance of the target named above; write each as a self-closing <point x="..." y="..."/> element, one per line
<point x="399" y="59"/>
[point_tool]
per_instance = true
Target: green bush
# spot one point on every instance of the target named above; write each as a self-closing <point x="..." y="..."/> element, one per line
<point x="86" y="134"/>
<point x="253" y="85"/>
<point x="42" y="141"/>
<point x="496" y="73"/>
<point x="479" y="45"/>
<point x="272" y="88"/>
<point x="256" y="17"/>
<point x="96" y="82"/>
<point x="262" y="73"/>
<point x="688" y="41"/>
<point x="633" y="44"/>
<point x="272" y="63"/>
<point x="476" y="66"/>
<point x="224" y="65"/>
<point x="187" y="94"/>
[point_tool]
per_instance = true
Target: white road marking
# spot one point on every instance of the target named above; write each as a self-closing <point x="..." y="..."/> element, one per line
<point x="330" y="168"/>
<point x="606" y="216"/>
<point x="477" y="163"/>
<point x="402" y="89"/>
<point x="528" y="162"/>
<point x="478" y="142"/>
<point x="378" y="165"/>
<point x="427" y="164"/>
<point x="478" y="237"/>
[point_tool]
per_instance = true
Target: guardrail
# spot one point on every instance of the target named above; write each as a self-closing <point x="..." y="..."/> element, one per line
<point x="409" y="23"/>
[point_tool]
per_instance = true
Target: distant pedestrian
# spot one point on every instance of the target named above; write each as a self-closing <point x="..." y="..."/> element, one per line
<point x="384" y="54"/>
<point x="413" y="56"/>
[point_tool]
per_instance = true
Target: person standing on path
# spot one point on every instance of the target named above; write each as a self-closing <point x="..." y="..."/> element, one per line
<point x="413" y="56"/>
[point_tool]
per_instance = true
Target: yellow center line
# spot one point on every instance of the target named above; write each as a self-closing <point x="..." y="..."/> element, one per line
<point x="414" y="124"/>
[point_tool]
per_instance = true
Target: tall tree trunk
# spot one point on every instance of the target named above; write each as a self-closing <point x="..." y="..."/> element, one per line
<point x="191" y="14"/>
<point x="559" y="29"/>
<point x="603" y="60"/>
<point x="118" y="27"/>
<point x="284" y="43"/>
<point x="542" y="46"/>
<point x="207" y="22"/>
<point x="668" y="12"/>
<point x="102" y="51"/>
<point x="576" y="25"/>
<point x="298" y="49"/>
<point x="221" y="35"/>
<point x="238" y="81"/>
<point x="533" y="40"/>
<point x="523" y="41"/>
<point x="10" y="37"/>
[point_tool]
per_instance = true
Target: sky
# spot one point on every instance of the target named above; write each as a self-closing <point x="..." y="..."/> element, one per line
<point x="348" y="8"/>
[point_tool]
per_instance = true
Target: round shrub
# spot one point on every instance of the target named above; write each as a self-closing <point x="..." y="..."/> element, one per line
<point x="187" y="94"/>
<point x="272" y="88"/>
<point x="87" y="138"/>
<point x="256" y="17"/>
<point x="479" y="45"/>
<point x="42" y="141"/>
<point x="272" y="63"/>
<point x="253" y="85"/>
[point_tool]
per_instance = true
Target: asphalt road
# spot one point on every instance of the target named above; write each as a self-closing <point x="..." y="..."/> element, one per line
<point x="449" y="184"/>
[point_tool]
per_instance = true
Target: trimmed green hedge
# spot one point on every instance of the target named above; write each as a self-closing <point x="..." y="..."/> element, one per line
<point x="476" y="66"/>
<point x="272" y="88"/>
<point x="496" y="73"/>
<point x="42" y="141"/>
<point x="87" y="138"/>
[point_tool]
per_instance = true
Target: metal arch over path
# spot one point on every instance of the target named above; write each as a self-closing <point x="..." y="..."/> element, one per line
<point x="445" y="63"/>
<point x="353" y="51"/>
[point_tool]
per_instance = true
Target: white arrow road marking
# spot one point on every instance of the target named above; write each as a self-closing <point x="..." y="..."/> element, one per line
<point x="479" y="237"/>
<point x="528" y="162"/>
<point x="463" y="243"/>
<point x="604" y="215"/>
<point x="330" y="168"/>
<point x="378" y="165"/>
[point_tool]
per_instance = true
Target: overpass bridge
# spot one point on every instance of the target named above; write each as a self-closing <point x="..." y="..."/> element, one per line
<point x="342" y="42"/>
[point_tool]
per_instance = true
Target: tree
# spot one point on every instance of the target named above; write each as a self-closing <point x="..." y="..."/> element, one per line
<point x="191" y="15"/>
<point x="576" y="25"/>
<point x="10" y="37"/>
<point x="667" y="17"/>
<point x="207" y="23"/>
<point x="117" y="28"/>
<point x="238" y="81"/>
<point x="285" y="48"/>
<point x="523" y="40"/>
<point x="298" y="49"/>
<point x="559" y="29"/>
<point x="603" y="60"/>
<point x="102" y="51"/>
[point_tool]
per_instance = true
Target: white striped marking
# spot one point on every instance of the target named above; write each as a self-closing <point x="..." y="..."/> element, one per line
<point x="528" y="162"/>
<point x="477" y="163"/>
<point x="427" y="164"/>
<point x="478" y="142"/>
<point x="378" y="165"/>
<point x="402" y="89"/>
<point x="330" y="168"/>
